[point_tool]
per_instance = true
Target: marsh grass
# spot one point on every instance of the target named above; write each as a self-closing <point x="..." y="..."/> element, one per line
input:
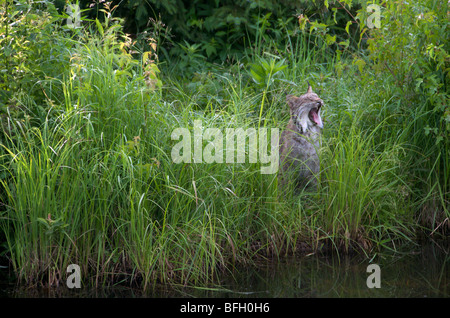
<point x="362" y="187"/>
<point x="95" y="185"/>
<point x="93" y="182"/>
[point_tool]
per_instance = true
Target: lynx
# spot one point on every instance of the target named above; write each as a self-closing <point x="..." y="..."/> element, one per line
<point x="300" y="141"/>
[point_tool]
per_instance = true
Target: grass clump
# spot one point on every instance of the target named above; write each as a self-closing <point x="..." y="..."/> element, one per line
<point x="364" y="193"/>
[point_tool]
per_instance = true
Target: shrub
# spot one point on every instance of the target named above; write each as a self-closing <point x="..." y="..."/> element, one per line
<point x="411" y="46"/>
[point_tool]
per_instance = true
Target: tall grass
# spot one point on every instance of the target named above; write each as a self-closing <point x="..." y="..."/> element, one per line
<point x="94" y="183"/>
<point x="362" y="187"/>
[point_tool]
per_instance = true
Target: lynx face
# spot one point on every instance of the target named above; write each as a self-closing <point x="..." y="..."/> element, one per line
<point x="305" y="110"/>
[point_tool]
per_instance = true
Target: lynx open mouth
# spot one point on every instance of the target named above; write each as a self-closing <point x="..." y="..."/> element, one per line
<point x="314" y="117"/>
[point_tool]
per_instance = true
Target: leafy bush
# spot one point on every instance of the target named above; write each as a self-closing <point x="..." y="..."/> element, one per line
<point x="221" y="30"/>
<point x="411" y="47"/>
<point x="34" y="60"/>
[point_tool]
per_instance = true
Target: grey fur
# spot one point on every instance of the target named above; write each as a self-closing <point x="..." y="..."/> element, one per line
<point x="300" y="141"/>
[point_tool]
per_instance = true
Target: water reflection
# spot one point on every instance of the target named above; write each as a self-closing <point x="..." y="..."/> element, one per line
<point x="421" y="273"/>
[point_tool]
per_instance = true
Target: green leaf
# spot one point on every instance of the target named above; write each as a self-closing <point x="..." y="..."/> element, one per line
<point x="316" y="25"/>
<point x="334" y="14"/>
<point x="360" y="63"/>
<point x="44" y="222"/>
<point x="347" y="27"/>
<point x="99" y="27"/>
<point x="210" y="47"/>
<point x="345" y="43"/>
<point x="257" y="78"/>
<point x="330" y="39"/>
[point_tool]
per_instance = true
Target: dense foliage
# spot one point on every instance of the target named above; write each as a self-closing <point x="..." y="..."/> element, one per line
<point x="89" y="100"/>
<point x="221" y="30"/>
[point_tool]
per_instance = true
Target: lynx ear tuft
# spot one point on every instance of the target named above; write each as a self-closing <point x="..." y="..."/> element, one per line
<point x="309" y="88"/>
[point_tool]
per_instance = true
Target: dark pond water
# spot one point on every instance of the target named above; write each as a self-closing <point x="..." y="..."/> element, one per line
<point x="421" y="272"/>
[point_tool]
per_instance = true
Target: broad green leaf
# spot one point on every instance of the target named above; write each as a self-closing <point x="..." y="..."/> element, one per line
<point x="99" y="27"/>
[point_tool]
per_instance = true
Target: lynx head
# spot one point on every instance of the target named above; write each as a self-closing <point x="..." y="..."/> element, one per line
<point x="305" y="110"/>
